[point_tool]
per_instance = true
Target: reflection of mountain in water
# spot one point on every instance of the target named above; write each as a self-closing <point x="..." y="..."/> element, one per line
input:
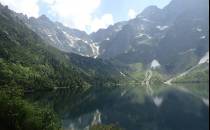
<point x="83" y="122"/>
<point x="171" y="110"/>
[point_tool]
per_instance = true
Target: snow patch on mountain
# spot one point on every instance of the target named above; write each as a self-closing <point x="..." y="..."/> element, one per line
<point x="95" y="49"/>
<point x="155" y="64"/>
<point x="140" y="35"/>
<point x="85" y="41"/>
<point x="146" y="20"/>
<point x="205" y="59"/>
<point x="199" y="29"/>
<point x="203" y="37"/>
<point x="71" y="39"/>
<point x="162" y="28"/>
<point x="52" y="39"/>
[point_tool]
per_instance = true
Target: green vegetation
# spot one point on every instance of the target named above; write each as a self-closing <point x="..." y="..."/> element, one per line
<point x="137" y="70"/>
<point x="180" y="62"/>
<point x="28" y="64"/>
<point x="18" y="114"/>
<point x="157" y="78"/>
<point x="138" y="73"/>
<point x="198" y="75"/>
<point x="105" y="127"/>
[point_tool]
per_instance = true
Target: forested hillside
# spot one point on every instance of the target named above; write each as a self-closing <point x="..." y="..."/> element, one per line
<point x="27" y="64"/>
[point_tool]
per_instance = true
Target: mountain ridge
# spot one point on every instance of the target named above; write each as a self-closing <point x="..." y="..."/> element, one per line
<point x="139" y="40"/>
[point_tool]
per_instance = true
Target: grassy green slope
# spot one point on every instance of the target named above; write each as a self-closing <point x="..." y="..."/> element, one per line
<point x="199" y="74"/>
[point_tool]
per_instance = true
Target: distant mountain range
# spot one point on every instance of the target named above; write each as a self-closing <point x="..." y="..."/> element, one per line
<point x="176" y="37"/>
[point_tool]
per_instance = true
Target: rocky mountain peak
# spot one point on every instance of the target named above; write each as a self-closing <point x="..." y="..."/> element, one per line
<point x="43" y="18"/>
<point x="151" y="10"/>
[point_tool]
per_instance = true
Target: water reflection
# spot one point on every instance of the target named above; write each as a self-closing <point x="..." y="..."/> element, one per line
<point x="177" y="107"/>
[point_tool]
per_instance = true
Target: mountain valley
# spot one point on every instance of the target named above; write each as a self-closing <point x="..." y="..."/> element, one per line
<point x="123" y="77"/>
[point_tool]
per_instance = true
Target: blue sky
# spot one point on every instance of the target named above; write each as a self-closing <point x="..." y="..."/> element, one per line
<point x="120" y="8"/>
<point x="87" y="15"/>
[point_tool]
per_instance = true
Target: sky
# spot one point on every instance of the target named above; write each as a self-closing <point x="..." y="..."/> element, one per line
<point x="86" y="15"/>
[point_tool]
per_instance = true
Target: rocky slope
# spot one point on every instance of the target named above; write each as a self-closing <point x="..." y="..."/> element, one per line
<point x="62" y="37"/>
<point x="176" y="36"/>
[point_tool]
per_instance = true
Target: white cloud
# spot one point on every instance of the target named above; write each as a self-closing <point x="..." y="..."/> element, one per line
<point x="28" y="7"/>
<point x="103" y="22"/>
<point x="132" y="13"/>
<point x="74" y="7"/>
<point x="73" y="13"/>
<point x="76" y="13"/>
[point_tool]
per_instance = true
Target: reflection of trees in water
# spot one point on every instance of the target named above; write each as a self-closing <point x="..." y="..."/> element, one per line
<point x="179" y="110"/>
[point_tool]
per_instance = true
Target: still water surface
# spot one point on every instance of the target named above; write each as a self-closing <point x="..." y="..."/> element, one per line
<point x="176" y="107"/>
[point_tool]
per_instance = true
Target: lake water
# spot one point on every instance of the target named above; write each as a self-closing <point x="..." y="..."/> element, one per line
<point x="176" y="107"/>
